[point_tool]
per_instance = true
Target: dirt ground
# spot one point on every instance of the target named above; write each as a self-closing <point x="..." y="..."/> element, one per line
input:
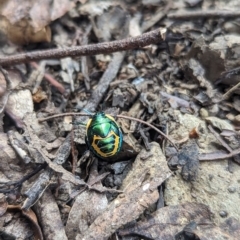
<point x="168" y="73"/>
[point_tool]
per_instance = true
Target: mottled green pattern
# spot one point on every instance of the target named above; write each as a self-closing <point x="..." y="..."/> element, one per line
<point x="102" y="126"/>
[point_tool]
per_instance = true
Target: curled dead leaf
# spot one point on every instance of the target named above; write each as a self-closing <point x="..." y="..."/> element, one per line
<point x="30" y="215"/>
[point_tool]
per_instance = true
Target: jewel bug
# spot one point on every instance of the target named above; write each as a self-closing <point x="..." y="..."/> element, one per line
<point x="103" y="135"/>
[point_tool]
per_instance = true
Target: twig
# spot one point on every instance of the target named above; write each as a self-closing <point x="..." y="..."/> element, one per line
<point x="213" y="156"/>
<point x="204" y="14"/>
<point x="150" y="125"/>
<point x="62" y="115"/>
<point x="50" y="79"/>
<point x="109" y="75"/>
<point x="218" y="137"/>
<point x="74" y="152"/>
<point x="229" y="92"/>
<point x="84" y="65"/>
<point x="4" y="98"/>
<point x="143" y="40"/>
<point x="179" y="101"/>
<point x="157" y="17"/>
<point x="145" y="139"/>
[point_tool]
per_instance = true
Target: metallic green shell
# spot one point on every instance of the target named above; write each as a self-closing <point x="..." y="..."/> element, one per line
<point x="104" y="136"/>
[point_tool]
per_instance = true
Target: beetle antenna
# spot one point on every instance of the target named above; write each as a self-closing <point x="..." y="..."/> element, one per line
<point x="149" y="125"/>
<point x="63" y="115"/>
<point x="119" y="116"/>
<point x="86" y="111"/>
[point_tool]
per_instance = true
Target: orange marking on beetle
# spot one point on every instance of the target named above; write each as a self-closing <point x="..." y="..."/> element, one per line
<point x="98" y="150"/>
<point x="88" y="123"/>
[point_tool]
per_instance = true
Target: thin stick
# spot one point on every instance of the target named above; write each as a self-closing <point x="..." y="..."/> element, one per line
<point x="63" y="115"/>
<point x="152" y="37"/>
<point x="150" y="125"/>
<point x="229" y="92"/>
<point x="119" y="116"/>
<point x="207" y="156"/>
<point x="218" y="137"/>
<point x="204" y="14"/>
<point x="51" y="79"/>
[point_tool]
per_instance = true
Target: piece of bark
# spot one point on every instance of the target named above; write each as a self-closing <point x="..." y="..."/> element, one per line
<point x="86" y="208"/>
<point x="49" y="217"/>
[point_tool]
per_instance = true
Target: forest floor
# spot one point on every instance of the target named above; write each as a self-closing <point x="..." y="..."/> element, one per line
<point x="173" y="66"/>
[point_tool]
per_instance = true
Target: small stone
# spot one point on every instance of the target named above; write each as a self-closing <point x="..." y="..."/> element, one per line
<point x="236" y="103"/>
<point x="230" y="116"/>
<point x="210" y="177"/>
<point x="223" y="214"/>
<point x="214" y="109"/>
<point x="237" y="119"/>
<point x="231" y="189"/>
<point x="119" y="167"/>
<point x="193" y="195"/>
<point x="203" y="113"/>
<point x="231" y="27"/>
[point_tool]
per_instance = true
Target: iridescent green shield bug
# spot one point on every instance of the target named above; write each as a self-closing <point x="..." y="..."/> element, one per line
<point x="103" y="135"/>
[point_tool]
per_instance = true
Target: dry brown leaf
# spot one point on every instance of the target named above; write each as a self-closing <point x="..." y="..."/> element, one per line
<point x="188" y="159"/>
<point x="8" y="160"/>
<point x="66" y="175"/>
<point x="166" y="222"/>
<point x="15" y="226"/>
<point x="48" y="214"/>
<point x="211" y="57"/>
<point x="4" y="94"/>
<point x="140" y="191"/>
<point x="32" y="217"/>
<point x="3" y="204"/>
<point x="43" y="131"/>
<point x="134" y="26"/>
<point x="53" y="145"/>
<point x="217" y="233"/>
<point x="175" y="101"/>
<point x="95" y="8"/>
<point x="196" y="72"/>
<point x="112" y="24"/>
<point x="88" y="203"/>
<point x="3" y="85"/>
<point x="20" y="103"/>
<point x="213" y="234"/>
<point x="28" y="21"/>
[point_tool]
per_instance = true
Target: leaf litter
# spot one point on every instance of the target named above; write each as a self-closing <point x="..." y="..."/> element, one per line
<point x="186" y="85"/>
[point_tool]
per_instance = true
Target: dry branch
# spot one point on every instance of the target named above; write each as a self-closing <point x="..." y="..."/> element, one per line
<point x="143" y="40"/>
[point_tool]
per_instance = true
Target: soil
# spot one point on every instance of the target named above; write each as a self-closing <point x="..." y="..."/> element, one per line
<point x="167" y="72"/>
